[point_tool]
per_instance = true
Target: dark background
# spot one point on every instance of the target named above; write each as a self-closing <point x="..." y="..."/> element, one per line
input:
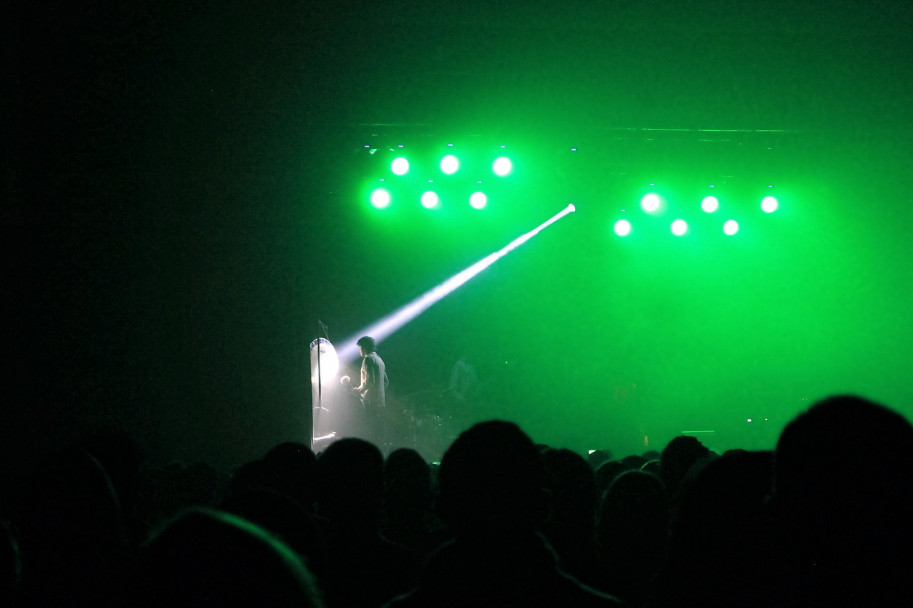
<point x="180" y="206"/>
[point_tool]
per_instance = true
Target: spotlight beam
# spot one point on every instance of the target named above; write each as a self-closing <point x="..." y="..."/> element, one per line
<point x="397" y="319"/>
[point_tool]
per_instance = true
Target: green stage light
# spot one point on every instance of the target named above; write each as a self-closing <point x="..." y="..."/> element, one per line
<point x="399" y="166"/>
<point x="450" y="164"/>
<point x="380" y="198"/>
<point x="502" y="166"/>
<point x="769" y="204"/>
<point x="650" y="203"/>
<point x="622" y="227"/>
<point x="710" y="204"/>
<point x="478" y="200"/>
<point x="731" y="227"/>
<point x="430" y="200"/>
<point x="679" y="227"/>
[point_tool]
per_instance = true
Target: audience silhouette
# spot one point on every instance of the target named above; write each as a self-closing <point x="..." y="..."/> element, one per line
<point x="211" y="558"/>
<point x="843" y="500"/>
<point x="293" y="466"/>
<point x="73" y="541"/>
<point x="10" y="566"/>
<point x="824" y="520"/>
<point x="408" y="508"/>
<point x="569" y="528"/>
<point x="632" y="533"/>
<point x="492" y="494"/>
<point x="361" y="567"/>
<point x="676" y="461"/>
<point x="719" y="552"/>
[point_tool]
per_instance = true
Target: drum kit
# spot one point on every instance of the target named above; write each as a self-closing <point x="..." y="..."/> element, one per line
<point x="427" y="423"/>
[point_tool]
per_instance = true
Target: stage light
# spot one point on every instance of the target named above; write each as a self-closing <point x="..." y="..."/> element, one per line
<point x="392" y="322"/>
<point x="400" y="166"/>
<point x="450" y="164"/>
<point x="731" y="227"/>
<point x="622" y="227"/>
<point x="679" y="227"/>
<point x="380" y="198"/>
<point x="769" y="204"/>
<point x="650" y="203"/>
<point x="325" y="361"/>
<point x="430" y="200"/>
<point x="478" y="200"/>
<point x="710" y="204"/>
<point x="502" y="166"/>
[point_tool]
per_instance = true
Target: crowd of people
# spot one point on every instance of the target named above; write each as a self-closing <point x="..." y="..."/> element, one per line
<point x="824" y="519"/>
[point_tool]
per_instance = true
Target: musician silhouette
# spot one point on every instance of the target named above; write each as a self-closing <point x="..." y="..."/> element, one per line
<point x="372" y="391"/>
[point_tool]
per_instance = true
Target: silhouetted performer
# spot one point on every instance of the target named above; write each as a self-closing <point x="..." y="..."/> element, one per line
<point x="373" y="387"/>
<point x="372" y="391"/>
<point x="464" y="381"/>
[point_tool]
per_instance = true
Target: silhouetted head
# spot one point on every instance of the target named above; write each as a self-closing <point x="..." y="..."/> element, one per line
<point x="651" y="466"/>
<point x="292" y="456"/>
<point x="211" y="558"/>
<point x="572" y="484"/>
<point x="294" y="467"/>
<point x="721" y="508"/>
<point x="71" y="503"/>
<point x="632" y="533"/>
<point x="406" y="473"/>
<point x="844" y="469"/>
<point x="843" y="490"/>
<point x="606" y="473"/>
<point x="120" y="456"/>
<point x="490" y="478"/>
<point x="280" y="515"/>
<point x="597" y="457"/>
<point x="677" y="458"/>
<point x="634" y="507"/>
<point x="367" y="344"/>
<point x="350" y="482"/>
<point x="408" y="497"/>
<point x="633" y="461"/>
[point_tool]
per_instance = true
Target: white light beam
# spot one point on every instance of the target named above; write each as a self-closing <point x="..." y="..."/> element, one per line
<point x="392" y="322"/>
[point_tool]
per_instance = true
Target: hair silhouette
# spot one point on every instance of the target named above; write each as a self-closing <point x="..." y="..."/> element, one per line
<point x="211" y="558"/>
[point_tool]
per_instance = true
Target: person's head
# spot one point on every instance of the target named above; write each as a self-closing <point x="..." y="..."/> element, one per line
<point x="350" y="482"/>
<point x="843" y="494"/>
<point x="407" y="484"/>
<point x="572" y="484"/>
<point x="492" y="478"/>
<point x="633" y="515"/>
<point x="209" y="557"/>
<point x="844" y="469"/>
<point x="293" y="465"/>
<point x="677" y="458"/>
<point x="366" y="345"/>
